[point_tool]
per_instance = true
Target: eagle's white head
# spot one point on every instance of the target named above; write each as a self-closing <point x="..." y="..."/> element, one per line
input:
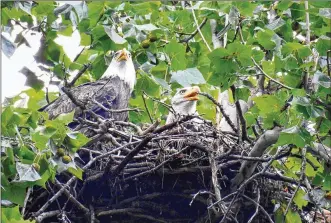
<point x="122" y="66"/>
<point x="184" y="102"/>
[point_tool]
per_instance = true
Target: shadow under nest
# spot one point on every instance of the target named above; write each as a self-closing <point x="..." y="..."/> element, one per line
<point x="164" y="174"/>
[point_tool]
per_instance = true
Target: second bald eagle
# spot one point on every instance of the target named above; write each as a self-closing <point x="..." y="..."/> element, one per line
<point x="112" y="90"/>
<point x="184" y="102"/>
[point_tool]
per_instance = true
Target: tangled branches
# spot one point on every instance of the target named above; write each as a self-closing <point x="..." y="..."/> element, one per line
<point x="172" y="173"/>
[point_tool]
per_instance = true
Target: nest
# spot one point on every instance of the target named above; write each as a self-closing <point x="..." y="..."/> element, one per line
<point x="172" y="173"/>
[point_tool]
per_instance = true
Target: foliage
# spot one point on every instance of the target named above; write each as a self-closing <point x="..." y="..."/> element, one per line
<point x="167" y="61"/>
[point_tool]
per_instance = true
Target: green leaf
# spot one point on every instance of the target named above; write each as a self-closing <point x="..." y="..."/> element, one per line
<point x="327" y="183"/>
<point x="304" y="52"/>
<point x="292" y="216"/>
<point x="83" y="26"/>
<point x="269" y="67"/>
<point x="95" y="11"/>
<point x="265" y="39"/>
<point x="284" y="5"/>
<point x="14" y="194"/>
<point x="12" y="215"/>
<point x="97" y="33"/>
<point x="78" y="172"/>
<point x="242" y="52"/>
<point x="258" y="55"/>
<point x="147" y="84"/>
<point x="245" y="8"/>
<point x="289" y="48"/>
<point x="59" y="71"/>
<point x="76" y="139"/>
<point x="66" y="118"/>
<point x="43" y="9"/>
<point x="188" y="77"/>
<point x="12" y="13"/>
<point x="53" y="51"/>
<point x="67" y="31"/>
<point x="36" y="99"/>
<point x="144" y="8"/>
<point x="299" y="200"/>
<point x="85" y="39"/>
<point x="176" y="53"/>
<point x="293" y="135"/>
<point x="268" y="104"/>
<point x="323" y="45"/>
<point x="98" y="67"/>
<point x="219" y="53"/>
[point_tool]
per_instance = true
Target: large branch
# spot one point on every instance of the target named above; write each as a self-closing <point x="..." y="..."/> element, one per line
<point x="248" y="167"/>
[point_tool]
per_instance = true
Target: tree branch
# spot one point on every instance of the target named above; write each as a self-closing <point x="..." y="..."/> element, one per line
<point x="191" y="35"/>
<point x="199" y="30"/>
<point x="227" y="118"/>
<point x="265" y="74"/>
<point x="78" y="75"/>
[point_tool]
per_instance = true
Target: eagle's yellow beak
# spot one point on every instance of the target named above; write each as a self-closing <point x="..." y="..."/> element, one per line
<point x="192" y="94"/>
<point x="123" y="55"/>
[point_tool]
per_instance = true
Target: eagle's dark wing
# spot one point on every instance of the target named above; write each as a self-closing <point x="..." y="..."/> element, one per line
<point x="112" y="93"/>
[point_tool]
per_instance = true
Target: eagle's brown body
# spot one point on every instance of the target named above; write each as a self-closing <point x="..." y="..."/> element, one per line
<point x="112" y="93"/>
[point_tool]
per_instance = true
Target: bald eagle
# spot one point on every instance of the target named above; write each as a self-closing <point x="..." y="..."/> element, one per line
<point x="112" y="90"/>
<point x="184" y="102"/>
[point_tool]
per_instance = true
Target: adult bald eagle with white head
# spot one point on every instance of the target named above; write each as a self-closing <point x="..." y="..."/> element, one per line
<point x="184" y="102"/>
<point x="112" y="90"/>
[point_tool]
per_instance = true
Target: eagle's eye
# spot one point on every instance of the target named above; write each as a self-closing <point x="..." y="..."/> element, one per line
<point x="182" y="91"/>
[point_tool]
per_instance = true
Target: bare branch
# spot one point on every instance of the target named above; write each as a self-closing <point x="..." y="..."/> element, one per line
<point x="265" y="74"/>
<point x="227" y="118"/>
<point x="191" y="35"/>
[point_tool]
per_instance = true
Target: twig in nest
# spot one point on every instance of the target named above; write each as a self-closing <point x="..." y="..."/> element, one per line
<point x="214" y="178"/>
<point x="257" y="203"/>
<point x="136" y="127"/>
<point x="119" y="211"/>
<point x="73" y="179"/>
<point x="261" y="207"/>
<point x="45" y="215"/>
<point x="243" y="185"/>
<point x="157" y="167"/>
<point x="152" y="127"/>
<point x="71" y="197"/>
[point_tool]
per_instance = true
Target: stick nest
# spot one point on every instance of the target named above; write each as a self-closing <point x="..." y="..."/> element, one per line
<point x="179" y="172"/>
